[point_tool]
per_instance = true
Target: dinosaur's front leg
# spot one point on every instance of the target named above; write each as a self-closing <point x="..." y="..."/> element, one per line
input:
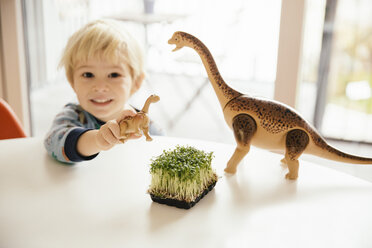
<point x="244" y="127"/>
<point x="235" y="159"/>
<point x="123" y="128"/>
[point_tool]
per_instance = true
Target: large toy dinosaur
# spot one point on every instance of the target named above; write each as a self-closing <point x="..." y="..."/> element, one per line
<point x="140" y="122"/>
<point x="262" y="122"/>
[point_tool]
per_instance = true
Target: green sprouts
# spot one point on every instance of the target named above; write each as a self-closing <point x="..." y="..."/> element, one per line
<point x="182" y="174"/>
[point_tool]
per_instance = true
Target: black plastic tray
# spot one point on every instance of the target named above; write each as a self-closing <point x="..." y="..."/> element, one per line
<point x="182" y="204"/>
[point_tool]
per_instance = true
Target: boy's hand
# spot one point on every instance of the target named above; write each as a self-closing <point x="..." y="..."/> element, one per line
<point x="108" y="135"/>
<point x="123" y="115"/>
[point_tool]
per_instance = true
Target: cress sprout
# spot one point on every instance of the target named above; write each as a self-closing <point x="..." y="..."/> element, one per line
<point x="182" y="173"/>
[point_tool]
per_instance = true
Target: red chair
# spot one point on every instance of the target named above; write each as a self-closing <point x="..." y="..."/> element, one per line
<point x="10" y="126"/>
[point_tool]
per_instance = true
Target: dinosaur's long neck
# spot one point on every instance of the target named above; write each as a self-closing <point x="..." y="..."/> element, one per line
<point x="146" y="106"/>
<point x="224" y="92"/>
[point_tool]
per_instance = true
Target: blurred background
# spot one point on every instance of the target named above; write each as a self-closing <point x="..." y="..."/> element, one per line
<point x="333" y="72"/>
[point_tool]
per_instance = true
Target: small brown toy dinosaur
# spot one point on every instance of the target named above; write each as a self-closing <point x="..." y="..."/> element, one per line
<point x="140" y="122"/>
<point x="262" y="122"/>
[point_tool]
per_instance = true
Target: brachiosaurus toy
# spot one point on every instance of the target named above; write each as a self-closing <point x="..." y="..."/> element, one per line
<point x="140" y="122"/>
<point x="262" y="122"/>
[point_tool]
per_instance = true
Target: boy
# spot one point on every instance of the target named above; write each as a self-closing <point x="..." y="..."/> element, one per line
<point x="104" y="66"/>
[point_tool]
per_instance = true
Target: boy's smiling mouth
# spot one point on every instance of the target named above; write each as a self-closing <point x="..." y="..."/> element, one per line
<point x="101" y="102"/>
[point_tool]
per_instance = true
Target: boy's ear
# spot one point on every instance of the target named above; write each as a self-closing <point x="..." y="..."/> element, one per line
<point x="137" y="83"/>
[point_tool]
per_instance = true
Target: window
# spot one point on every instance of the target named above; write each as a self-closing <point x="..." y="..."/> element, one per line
<point x="337" y="75"/>
<point x="242" y="36"/>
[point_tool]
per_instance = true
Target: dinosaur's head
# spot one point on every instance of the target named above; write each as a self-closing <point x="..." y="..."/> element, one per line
<point x="155" y="98"/>
<point x="178" y="39"/>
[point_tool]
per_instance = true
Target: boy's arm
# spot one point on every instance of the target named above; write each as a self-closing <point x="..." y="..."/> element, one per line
<point x="69" y="141"/>
<point x="94" y="141"/>
<point x="60" y="141"/>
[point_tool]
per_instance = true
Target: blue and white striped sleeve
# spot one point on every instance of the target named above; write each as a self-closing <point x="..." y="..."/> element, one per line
<point x="60" y="142"/>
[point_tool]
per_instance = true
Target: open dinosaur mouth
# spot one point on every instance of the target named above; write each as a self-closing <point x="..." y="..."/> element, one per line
<point x="176" y="48"/>
<point x="172" y="42"/>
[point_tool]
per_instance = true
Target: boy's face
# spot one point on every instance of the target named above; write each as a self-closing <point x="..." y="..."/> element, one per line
<point x="103" y="88"/>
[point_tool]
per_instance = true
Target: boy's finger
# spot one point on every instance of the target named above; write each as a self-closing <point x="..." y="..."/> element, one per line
<point x="114" y="128"/>
<point x="109" y="137"/>
<point x="126" y="113"/>
<point x="107" y="133"/>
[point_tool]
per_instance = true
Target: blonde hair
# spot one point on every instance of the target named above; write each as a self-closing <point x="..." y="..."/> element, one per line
<point x="106" y="39"/>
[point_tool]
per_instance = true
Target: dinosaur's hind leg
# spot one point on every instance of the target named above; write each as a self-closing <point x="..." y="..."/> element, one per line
<point x="146" y="133"/>
<point x="244" y="127"/>
<point x="296" y="142"/>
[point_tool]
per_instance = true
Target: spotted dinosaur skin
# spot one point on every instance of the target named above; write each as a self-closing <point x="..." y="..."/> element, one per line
<point x="262" y="122"/>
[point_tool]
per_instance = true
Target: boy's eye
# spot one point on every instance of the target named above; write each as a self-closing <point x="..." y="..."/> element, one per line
<point x="114" y="75"/>
<point x="88" y="75"/>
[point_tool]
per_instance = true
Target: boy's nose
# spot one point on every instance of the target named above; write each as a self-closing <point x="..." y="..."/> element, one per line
<point x="100" y="86"/>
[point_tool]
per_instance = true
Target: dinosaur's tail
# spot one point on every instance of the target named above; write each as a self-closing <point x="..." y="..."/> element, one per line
<point x="321" y="148"/>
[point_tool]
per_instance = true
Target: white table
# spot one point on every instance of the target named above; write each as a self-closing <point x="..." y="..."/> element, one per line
<point x="103" y="202"/>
